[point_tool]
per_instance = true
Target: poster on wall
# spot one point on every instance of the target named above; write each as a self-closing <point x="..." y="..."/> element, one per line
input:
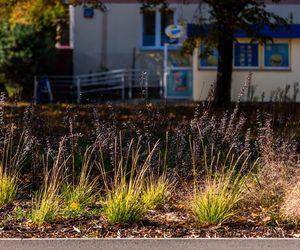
<point x="246" y="55"/>
<point x="277" y="55"/>
<point x="177" y="59"/>
<point x="208" y="57"/>
<point x="180" y="83"/>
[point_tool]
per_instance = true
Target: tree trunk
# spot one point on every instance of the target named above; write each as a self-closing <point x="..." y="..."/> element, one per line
<point x="223" y="84"/>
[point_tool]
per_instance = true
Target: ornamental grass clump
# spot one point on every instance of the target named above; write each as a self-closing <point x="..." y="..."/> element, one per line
<point x="290" y="209"/>
<point x="156" y="190"/>
<point x="46" y="204"/>
<point x="224" y="184"/>
<point x="122" y="200"/>
<point x="79" y="195"/>
<point x="8" y="186"/>
<point x="276" y="178"/>
<point x="12" y="155"/>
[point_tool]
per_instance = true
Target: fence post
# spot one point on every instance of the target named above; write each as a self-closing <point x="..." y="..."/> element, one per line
<point x="160" y="88"/>
<point x="123" y="87"/>
<point x="49" y="90"/>
<point x="78" y="90"/>
<point x="146" y="85"/>
<point x="35" y="89"/>
<point x="132" y="76"/>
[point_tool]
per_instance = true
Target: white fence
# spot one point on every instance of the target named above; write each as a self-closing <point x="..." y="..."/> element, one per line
<point x="124" y="81"/>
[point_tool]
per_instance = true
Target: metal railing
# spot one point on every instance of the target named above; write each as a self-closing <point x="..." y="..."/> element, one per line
<point x="122" y="80"/>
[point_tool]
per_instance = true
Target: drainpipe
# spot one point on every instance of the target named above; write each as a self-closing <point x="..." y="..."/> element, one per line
<point x="104" y="39"/>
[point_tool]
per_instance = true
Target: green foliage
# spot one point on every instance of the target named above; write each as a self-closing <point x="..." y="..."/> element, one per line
<point x="46" y="13"/>
<point x="24" y="52"/>
<point x="78" y="196"/>
<point x="75" y="200"/>
<point x="156" y="190"/>
<point x="19" y="213"/>
<point x="47" y="201"/>
<point x="100" y="5"/>
<point x="214" y="204"/>
<point x="8" y="186"/>
<point x="223" y="187"/>
<point x="123" y="205"/>
<point x="12" y="156"/>
<point x="122" y="201"/>
<point x="12" y="90"/>
<point x="46" y="207"/>
<point x="27" y="40"/>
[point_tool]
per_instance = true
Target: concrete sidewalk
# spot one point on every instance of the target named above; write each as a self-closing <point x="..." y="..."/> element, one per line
<point x="149" y="244"/>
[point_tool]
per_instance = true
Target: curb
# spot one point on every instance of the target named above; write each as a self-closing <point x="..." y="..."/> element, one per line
<point x="149" y="244"/>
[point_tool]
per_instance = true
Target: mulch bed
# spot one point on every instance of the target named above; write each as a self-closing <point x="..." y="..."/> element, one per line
<point x="173" y="220"/>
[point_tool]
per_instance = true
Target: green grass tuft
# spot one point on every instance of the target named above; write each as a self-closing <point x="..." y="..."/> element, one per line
<point x="78" y="196"/>
<point x="156" y="190"/>
<point x="8" y="186"/>
<point x="122" y="202"/>
<point x="223" y="188"/>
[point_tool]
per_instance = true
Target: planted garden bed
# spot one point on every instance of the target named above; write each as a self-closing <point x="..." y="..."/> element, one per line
<point x="149" y="171"/>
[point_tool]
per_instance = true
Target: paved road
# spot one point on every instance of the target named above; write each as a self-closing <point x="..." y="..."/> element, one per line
<point x="149" y="244"/>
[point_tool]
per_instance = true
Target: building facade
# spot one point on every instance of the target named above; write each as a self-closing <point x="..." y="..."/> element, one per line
<point x="123" y="37"/>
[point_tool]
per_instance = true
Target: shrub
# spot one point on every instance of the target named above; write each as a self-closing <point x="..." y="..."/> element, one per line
<point x="122" y="201"/>
<point x="223" y="187"/>
<point x="23" y="49"/>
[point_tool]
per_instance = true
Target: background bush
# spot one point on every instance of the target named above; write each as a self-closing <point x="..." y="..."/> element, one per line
<point x="24" y="52"/>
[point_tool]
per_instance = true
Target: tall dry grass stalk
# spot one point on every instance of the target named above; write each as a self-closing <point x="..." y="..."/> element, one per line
<point x="278" y="168"/>
<point x="158" y="185"/>
<point x="47" y="201"/>
<point x="290" y="209"/>
<point x="13" y="153"/>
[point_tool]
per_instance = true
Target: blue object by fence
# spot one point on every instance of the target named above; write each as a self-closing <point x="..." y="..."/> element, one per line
<point x="45" y="88"/>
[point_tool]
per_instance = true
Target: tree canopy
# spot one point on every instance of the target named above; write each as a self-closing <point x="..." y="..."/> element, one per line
<point x="41" y="13"/>
<point x="27" y="39"/>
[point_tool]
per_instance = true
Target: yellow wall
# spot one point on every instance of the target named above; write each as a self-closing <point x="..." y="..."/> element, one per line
<point x="265" y="80"/>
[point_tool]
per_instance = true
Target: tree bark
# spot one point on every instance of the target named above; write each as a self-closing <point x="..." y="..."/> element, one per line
<point x="224" y="76"/>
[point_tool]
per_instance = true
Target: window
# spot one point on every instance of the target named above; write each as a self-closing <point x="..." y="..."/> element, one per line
<point x="154" y="25"/>
<point x="208" y="58"/>
<point x="149" y="28"/>
<point x="277" y="56"/>
<point x="167" y="18"/>
<point x="246" y="55"/>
